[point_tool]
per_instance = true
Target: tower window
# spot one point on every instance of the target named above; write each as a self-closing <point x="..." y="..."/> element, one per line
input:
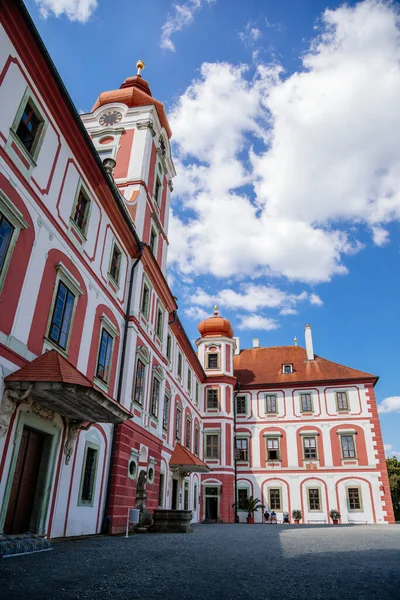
<point x="157" y="190"/>
<point x="212" y="399"/>
<point x="212" y="361"/>
<point x="153" y="238"/>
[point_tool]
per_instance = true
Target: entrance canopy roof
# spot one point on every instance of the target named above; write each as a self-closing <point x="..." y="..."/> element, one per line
<point x="184" y="461"/>
<point x="59" y="386"/>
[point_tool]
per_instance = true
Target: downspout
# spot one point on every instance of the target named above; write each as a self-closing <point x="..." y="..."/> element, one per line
<point x="234" y="448"/>
<point x="106" y="525"/>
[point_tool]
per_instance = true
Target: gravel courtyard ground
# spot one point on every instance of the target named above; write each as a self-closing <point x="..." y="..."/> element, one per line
<point x="216" y="561"/>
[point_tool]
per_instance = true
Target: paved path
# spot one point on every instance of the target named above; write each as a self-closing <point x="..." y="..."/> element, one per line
<point x="216" y="561"/>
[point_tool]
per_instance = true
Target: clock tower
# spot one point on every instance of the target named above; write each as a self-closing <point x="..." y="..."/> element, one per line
<point x="131" y="127"/>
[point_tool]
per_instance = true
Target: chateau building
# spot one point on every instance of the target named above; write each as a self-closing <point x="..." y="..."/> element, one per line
<point x="99" y="383"/>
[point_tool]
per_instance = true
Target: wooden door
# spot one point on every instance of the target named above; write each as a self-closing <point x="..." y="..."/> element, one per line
<point x="174" y="494"/>
<point x="25" y="480"/>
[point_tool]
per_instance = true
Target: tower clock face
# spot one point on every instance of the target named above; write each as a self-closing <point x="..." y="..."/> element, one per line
<point x="110" y="118"/>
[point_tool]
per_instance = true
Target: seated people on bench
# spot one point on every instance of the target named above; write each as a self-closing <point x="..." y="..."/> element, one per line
<point x="266" y="516"/>
<point x="273" y="516"/>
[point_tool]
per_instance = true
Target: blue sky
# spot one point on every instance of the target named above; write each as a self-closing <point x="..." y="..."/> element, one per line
<point x="286" y="130"/>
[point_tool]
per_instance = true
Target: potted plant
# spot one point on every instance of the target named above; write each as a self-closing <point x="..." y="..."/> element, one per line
<point x="335" y="516"/>
<point x="252" y="505"/>
<point x="297" y="516"/>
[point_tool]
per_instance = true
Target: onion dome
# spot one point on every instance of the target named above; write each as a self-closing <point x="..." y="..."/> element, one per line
<point x="135" y="91"/>
<point x="215" y="326"/>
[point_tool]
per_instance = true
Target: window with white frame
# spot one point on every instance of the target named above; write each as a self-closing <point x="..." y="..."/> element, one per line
<point x="155" y="397"/>
<point x="114" y="270"/>
<point x="11" y="223"/>
<point x="178" y="420"/>
<point x="153" y="241"/>
<point x="179" y="368"/>
<point x="169" y="346"/>
<point x="354" y="501"/>
<point x="241" y="405"/>
<point x="243" y="496"/>
<point x="158" y="189"/>
<point x="270" y="404"/>
<point x="145" y="304"/>
<point x="88" y="477"/>
<point x="166" y="412"/>
<point x="314" y="499"/>
<point x="342" y="401"/>
<point x="196" y="440"/>
<point x="306" y="403"/>
<point x="188" y="433"/>
<point x="273" y="448"/>
<point x="310" y="448"/>
<point x="29" y="126"/>
<point x="81" y="210"/>
<point x="159" y="322"/>
<point x="67" y="290"/>
<point x="212" y="399"/>
<point x="275" y="498"/>
<point x="212" y="445"/>
<point x="287" y="369"/>
<point x="348" y="446"/>
<point x="140" y="379"/>
<point x="197" y="393"/>
<point x="212" y="360"/>
<point x="104" y="357"/>
<point x="242" y="447"/>
<point x="189" y="380"/>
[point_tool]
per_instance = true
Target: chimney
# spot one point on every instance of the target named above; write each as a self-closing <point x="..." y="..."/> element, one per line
<point x="309" y="344"/>
<point x="237" y="346"/>
<point x="256" y="343"/>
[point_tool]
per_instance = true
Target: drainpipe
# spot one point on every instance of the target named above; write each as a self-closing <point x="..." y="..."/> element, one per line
<point x="106" y="520"/>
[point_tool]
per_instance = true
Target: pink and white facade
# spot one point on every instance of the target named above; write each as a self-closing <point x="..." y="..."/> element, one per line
<point x="98" y="380"/>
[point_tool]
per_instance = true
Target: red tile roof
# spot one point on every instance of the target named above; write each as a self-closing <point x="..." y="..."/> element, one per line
<point x="52" y="367"/>
<point x="263" y="366"/>
<point x="182" y="457"/>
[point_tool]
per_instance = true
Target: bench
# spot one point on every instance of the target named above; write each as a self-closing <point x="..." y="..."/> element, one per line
<point x="316" y="521"/>
<point x="358" y="522"/>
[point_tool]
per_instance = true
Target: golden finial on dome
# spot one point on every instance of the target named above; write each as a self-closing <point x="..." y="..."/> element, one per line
<point x="216" y="312"/>
<point x="140" y="66"/>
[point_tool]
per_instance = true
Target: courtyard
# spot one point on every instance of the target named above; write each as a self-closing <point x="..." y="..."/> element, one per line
<point x="215" y="561"/>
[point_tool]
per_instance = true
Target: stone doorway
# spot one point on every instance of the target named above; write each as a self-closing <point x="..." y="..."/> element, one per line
<point x="211" y="504"/>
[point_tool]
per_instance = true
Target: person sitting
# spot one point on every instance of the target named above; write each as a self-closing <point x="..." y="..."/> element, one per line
<point x="273" y="517"/>
<point x="266" y="516"/>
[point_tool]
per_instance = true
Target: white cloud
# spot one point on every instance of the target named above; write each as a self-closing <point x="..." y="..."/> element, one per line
<point x="316" y="300"/>
<point x="288" y="311"/>
<point x="380" y="236"/>
<point x="250" y="34"/>
<point x="182" y="16"/>
<point x="391" y="404"/>
<point x="196" y="313"/>
<point x="257" y="322"/>
<point x="388" y="448"/>
<point x="74" y="10"/>
<point x="330" y="160"/>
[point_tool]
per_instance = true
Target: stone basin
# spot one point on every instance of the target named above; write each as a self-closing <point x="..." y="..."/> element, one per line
<point x="171" y="521"/>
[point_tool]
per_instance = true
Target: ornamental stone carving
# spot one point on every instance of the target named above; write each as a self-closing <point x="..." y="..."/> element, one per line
<point x="11" y="399"/>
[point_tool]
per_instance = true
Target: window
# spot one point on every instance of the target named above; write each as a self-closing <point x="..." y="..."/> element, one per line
<point x="169" y="341"/>
<point x="275" y="499"/>
<point x="155" y="397"/>
<point x="197" y="392"/>
<point x="342" y="402"/>
<point x="157" y="190"/>
<point x="161" y="491"/>
<point x="286" y="369"/>
<point x="354" y="498"/>
<point x="272" y="449"/>
<point x="6" y="234"/>
<point x="195" y="497"/>
<point x="310" y="448"/>
<point x="314" y="501"/>
<point x="62" y="316"/>
<point x="88" y="478"/>
<point x="178" y="425"/>
<point x="243" y="495"/>
<point x="196" y="440"/>
<point x="212" y="361"/>
<point x="81" y="211"/>
<point x="189" y="380"/>
<point x="306" y="403"/>
<point x="159" y="324"/>
<point x="145" y="301"/>
<point x="165" y="413"/>
<point x="212" y="445"/>
<point x="348" y="446"/>
<point x="188" y="433"/>
<point x="153" y="237"/>
<point x="29" y="127"/>
<point x="242" y="445"/>
<point x="139" y="382"/>
<point x="212" y="399"/>
<point x="270" y="403"/>
<point x="241" y="405"/>
<point x="115" y="265"/>
<point x="104" y="359"/>
<point x="179" y="365"/>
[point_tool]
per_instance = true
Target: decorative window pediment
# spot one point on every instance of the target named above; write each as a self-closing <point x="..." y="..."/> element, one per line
<point x="143" y="353"/>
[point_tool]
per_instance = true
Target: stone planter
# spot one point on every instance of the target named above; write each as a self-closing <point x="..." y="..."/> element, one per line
<point x="171" y="521"/>
<point x="296" y="521"/>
